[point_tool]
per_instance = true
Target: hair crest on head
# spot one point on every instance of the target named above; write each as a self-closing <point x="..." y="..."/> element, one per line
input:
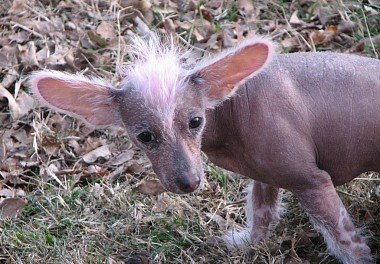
<point x="156" y="71"/>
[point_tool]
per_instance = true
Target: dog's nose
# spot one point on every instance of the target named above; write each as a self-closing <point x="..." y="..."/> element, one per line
<point x="189" y="182"/>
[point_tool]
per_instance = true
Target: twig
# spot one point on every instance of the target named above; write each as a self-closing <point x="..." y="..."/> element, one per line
<point x="354" y="196"/>
<point x="369" y="34"/>
<point x="27" y="29"/>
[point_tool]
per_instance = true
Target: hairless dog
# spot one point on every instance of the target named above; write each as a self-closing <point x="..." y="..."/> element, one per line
<point x="305" y="122"/>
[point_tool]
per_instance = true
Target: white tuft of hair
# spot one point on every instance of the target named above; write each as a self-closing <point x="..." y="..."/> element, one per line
<point x="156" y="71"/>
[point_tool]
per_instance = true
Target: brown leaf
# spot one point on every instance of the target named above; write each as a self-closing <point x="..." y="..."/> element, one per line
<point x="19" y="37"/>
<point x="43" y="27"/>
<point x="140" y="258"/>
<point x="323" y="36"/>
<point x="325" y="14"/>
<point x="28" y="54"/>
<point x="165" y="202"/>
<point x="183" y="24"/>
<point x="10" y="207"/>
<point x="294" y="20"/>
<point x="12" y="177"/>
<point x="206" y="13"/>
<point x="228" y="41"/>
<point x="18" y="6"/>
<point x="367" y="42"/>
<point x="42" y="54"/>
<point x="12" y="104"/>
<point x="25" y="102"/>
<point x="106" y="30"/>
<point x="10" y="77"/>
<point x="246" y="6"/>
<point x="122" y="157"/>
<point x="151" y="187"/>
<point x="204" y="29"/>
<point x="8" y="56"/>
<point x="97" y="39"/>
<point x="169" y="25"/>
<point x="141" y="5"/>
<point x="220" y="221"/>
<point x="57" y="60"/>
<point x="101" y="152"/>
<point x="346" y="26"/>
<point x="290" y="43"/>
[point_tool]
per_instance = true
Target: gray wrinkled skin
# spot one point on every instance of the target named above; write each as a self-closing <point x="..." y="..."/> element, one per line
<point x="307" y="122"/>
<point x="304" y="112"/>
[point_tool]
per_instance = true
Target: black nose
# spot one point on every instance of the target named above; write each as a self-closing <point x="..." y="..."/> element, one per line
<point x="189" y="182"/>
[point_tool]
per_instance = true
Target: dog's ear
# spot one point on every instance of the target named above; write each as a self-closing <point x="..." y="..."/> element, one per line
<point x="92" y="100"/>
<point x="220" y="77"/>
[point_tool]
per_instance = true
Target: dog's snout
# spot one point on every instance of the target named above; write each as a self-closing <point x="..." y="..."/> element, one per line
<point x="189" y="182"/>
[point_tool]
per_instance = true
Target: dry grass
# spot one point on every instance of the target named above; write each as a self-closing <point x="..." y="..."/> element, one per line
<point x="91" y="213"/>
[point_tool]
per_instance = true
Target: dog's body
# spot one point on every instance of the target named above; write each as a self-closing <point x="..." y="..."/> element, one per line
<point x="304" y="111"/>
<point x="306" y="122"/>
<point x="305" y="127"/>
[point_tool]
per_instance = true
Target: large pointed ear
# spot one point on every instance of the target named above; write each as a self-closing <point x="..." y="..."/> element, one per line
<point x="92" y="100"/>
<point x="220" y="76"/>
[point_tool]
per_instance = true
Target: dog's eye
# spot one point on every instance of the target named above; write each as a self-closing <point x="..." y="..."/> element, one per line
<point x="195" y="122"/>
<point x="146" y="137"/>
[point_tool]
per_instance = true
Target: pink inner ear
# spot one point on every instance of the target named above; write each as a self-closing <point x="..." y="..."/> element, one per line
<point x="245" y="63"/>
<point x="233" y="70"/>
<point x="89" y="101"/>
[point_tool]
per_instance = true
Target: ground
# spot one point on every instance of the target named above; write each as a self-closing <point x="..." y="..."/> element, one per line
<point x="72" y="194"/>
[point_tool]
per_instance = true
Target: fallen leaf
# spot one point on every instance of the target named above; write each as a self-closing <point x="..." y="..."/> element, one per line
<point x="246" y="6"/>
<point x="165" y="202"/>
<point x="122" y="157"/>
<point x="19" y="37"/>
<point x="367" y="42"/>
<point x="14" y="109"/>
<point x="141" y="5"/>
<point x="97" y="39"/>
<point x="140" y="258"/>
<point x="228" y="41"/>
<point x="290" y="43"/>
<point x="106" y="30"/>
<point x="169" y="25"/>
<point x="18" y="7"/>
<point x="8" y="56"/>
<point x="101" y="152"/>
<point x="220" y="221"/>
<point x="151" y="187"/>
<point x="25" y="102"/>
<point x="346" y="26"/>
<point x="57" y="60"/>
<point x="10" y="77"/>
<point x="28" y="54"/>
<point x="294" y="20"/>
<point x="204" y="29"/>
<point x="183" y="24"/>
<point x="325" y="14"/>
<point x="93" y="169"/>
<point x="97" y="190"/>
<point x="323" y="36"/>
<point x="10" y="207"/>
<point x="43" y="27"/>
<point x="141" y="28"/>
<point x="206" y="13"/>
